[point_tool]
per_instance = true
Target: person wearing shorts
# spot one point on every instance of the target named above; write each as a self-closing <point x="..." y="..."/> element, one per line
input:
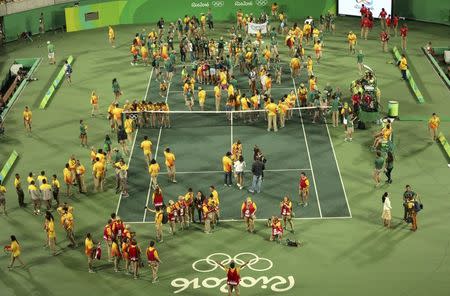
<point x="51" y="53"/>
<point x="286" y="212"/>
<point x="303" y="189"/>
<point x="170" y="164"/>
<point x="233" y="276"/>
<point x="134" y="253"/>
<point x="153" y="260"/>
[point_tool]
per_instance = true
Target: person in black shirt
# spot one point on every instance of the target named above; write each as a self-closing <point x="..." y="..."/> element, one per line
<point x="160" y="25"/>
<point x="198" y="204"/>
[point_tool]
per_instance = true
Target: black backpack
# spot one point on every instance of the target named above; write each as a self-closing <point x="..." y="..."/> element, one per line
<point x="165" y="218"/>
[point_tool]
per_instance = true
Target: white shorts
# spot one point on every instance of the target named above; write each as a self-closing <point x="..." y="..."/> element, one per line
<point x="51" y="55"/>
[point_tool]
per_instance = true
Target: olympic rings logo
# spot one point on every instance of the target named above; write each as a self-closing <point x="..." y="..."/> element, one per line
<point x="255" y="262"/>
<point x="261" y="2"/>
<point x="217" y="3"/>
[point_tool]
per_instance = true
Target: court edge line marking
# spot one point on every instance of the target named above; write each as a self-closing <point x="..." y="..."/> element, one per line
<point x="246" y="171"/>
<point x="307" y="150"/>
<point x="259" y="219"/>
<point x="339" y="171"/>
<point x="134" y="141"/>
<point x="156" y="155"/>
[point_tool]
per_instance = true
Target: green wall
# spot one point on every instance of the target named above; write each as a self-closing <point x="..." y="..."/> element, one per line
<point x="436" y="11"/>
<point x="149" y="11"/>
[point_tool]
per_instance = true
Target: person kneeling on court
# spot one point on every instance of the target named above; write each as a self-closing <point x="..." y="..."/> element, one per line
<point x="233" y="276"/>
<point x="248" y="211"/>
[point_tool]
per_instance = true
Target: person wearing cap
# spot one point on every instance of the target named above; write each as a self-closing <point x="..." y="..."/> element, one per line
<point x="233" y="276"/>
<point x="201" y="98"/>
<point x="51" y="53"/>
<point x="248" y="213"/>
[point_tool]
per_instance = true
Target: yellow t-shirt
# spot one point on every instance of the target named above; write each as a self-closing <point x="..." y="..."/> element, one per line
<point x="153" y="169"/>
<point x="98" y="169"/>
<point x="27" y="115"/>
<point x="117" y="113"/>
<point x="67" y="220"/>
<point x="434" y="122"/>
<point x="215" y="195"/>
<point x="15" y="249"/>
<point x="317" y="47"/>
<point x="272" y="109"/>
<point x="230" y="90"/>
<point x="17" y="183"/>
<point x="128" y="125"/>
<point x="217" y="91"/>
<point x="227" y="164"/>
<point x="170" y="158"/>
<point x="146" y="146"/>
<point x="403" y="64"/>
<point x="51" y="229"/>
<point x="202" y="96"/>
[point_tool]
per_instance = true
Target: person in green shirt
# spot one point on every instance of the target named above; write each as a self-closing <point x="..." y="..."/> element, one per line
<point x="335" y="110"/>
<point x="360" y="61"/>
<point x="83" y="134"/>
<point x="379" y="164"/>
<point x="51" y="53"/>
<point x="350" y="127"/>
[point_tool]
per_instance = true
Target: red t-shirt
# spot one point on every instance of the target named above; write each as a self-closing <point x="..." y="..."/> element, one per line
<point x="403" y="31"/>
<point x="363" y="10"/>
<point x="395" y="21"/>
<point x="366" y="22"/>
<point x="383" y="14"/>
<point x="388" y="22"/>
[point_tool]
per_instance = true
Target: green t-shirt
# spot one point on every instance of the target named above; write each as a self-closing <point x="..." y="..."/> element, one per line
<point x="335" y="105"/>
<point x="360" y="58"/>
<point x="349" y="121"/>
<point x="82" y="129"/>
<point x="50" y="48"/>
<point x="379" y="162"/>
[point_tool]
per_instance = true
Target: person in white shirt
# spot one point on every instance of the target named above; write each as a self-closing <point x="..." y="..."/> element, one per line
<point x="386" y="216"/>
<point x="239" y="167"/>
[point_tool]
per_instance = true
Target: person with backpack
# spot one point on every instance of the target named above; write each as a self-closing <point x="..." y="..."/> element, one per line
<point x="412" y="210"/>
<point x="160" y="219"/>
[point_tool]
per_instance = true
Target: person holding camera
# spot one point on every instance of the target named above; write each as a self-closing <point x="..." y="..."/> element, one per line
<point x="248" y="211"/>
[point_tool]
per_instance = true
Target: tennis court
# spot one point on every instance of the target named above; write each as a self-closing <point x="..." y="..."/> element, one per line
<point x="200" y="139"/>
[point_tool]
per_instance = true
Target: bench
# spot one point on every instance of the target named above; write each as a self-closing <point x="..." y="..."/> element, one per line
<point x="10" y="92"/>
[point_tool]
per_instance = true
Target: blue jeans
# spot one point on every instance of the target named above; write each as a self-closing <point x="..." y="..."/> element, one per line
<point x="256" y="184"/>
<point x="404" y="75"/>
<point x="227" y="178"/>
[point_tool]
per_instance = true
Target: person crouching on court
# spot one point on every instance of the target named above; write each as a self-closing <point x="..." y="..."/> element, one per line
<point x="277" y="229"/>
<point x="248" y="211"/>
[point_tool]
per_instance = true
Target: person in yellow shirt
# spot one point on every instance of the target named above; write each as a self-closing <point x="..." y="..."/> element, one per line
<point x="153" y="170"/>
<point x="315" y="34"/>
<point x="403" y="65"/>
<point x="14" y="248"/>
<point x="49" y="227"/>
<point x="218" y="95"/>
<point x="272" y="110"/>
<point x="128" y="124"/>
<point x="80" y="171"/>
<point x="158" y="211"/>
<point x="117" y="115"/>
<point x="73" y="168"/>
<point x="94" y="103"/>
<point x="19" y="190"/>
<point x="433" y="126"/>
<point x="214" y="196"/>
<point x="27" y="119"/>
<point x="295" y="66"/>
<point x="170" y="164"/>
<point x="282" y="111"/>
<point x="111" y="37"/>
<point x="144" y="55"/>
<point x="227" y="169"/>
<point x="318" y="50"/>
<point x="146" y="146"/>
<point x="312" y="83"/>
<point x="68" y="180"/>
<point x="89" y="250"/>
<point x="98" y="172"/>
<point x="268" y="84"/>
<point x="351" y="38"/>
<point x="201" y="98"/>
<point x="3" y="198"/>
<point x="67" y="221"/>
<point x="307" y="32"/>
<point x="236" y="150"/>
<point x="56" y="186"/>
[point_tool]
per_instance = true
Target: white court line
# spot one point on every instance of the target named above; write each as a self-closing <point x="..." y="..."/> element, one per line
<point x="339" y="171"/>
<point x="156" y="155"/>
<point x="134" y="140"/>
<point x="246" y="171"/>
<point x="307" y="150"/>
<point x="259" y="219"/>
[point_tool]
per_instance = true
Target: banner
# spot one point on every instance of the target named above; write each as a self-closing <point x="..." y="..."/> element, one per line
<point x="253" y="28"/>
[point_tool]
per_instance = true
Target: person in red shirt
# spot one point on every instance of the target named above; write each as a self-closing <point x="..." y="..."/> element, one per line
<point x="153" y="260"/>
<point x="277" y="230"/>
<point x="365" y="26"/>
<point x="303" y="189"/>
<point x="388" y="24"/>
<point x="395" y="24"/>
<point x="134" y="253"/>
<point x="248" y="211"/>
<point x="363" y="11"/>
<point x="403" y="34"/>
<point x="382" y="16"/>
<point x="286" y="212"/>
<point x="157" y="197"/>
<point x="356" y="101"/>
<point x="233" y="276"/>
<point x="384" y="37"/>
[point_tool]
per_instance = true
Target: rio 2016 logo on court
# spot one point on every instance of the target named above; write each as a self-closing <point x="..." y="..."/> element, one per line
<point x="255" y="263"/>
